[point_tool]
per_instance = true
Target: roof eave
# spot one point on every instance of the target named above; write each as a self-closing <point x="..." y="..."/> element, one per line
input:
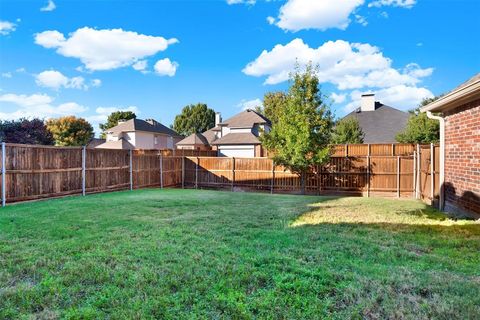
<point x="455" y="98"/>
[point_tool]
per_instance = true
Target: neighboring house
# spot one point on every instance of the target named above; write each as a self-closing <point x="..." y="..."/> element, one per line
<point x="380" y="123"/>
<point x="459" y="116"/>
<point x="140" y="134"/>
<point x="234" y="137"/>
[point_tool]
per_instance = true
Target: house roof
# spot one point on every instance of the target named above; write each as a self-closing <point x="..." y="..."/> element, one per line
<point x="237" y="138"/>
<point x="142" y="125"/>
<point x="95" y="142"/>
<point x="245" y="119"/>
<point x="464" y="93"/>
<point x="194" y="139"/>
<point x="119" y="144"/>
<point x="210" y="135"/>
<point x="381" y="125"/>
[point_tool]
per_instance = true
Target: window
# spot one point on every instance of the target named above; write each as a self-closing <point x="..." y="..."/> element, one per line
<point x="156" y="139"/>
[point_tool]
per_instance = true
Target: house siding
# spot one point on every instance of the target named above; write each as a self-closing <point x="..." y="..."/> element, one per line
<point x="462" y="159"/>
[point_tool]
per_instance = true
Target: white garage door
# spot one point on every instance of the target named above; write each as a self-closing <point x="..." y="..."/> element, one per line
<point x="240" y="152"/>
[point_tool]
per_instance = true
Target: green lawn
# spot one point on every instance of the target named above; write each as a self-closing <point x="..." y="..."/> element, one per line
<point x="206" y="254"/>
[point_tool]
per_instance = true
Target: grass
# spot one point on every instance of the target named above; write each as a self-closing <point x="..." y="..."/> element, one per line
<point x="206" y="254"/>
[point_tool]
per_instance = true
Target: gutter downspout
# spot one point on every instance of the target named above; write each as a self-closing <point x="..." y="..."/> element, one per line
<point x="441" y="192"/>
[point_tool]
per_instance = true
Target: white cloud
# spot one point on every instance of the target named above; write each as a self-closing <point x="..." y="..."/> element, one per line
<point x="96" y="83"/>
<point x="394" y="3"/>
<point x="49" y="7"/>
<point x="270" y="20"/>
<point x="338" y="98"/>
<point x="56" y="80"/>
<point x="346" y="65"/>
<point x="7" y="75"/>
<point x="36" y="105"/>
<point x="250" y="104"/>
<point x="296" y="15"/>
<point x="361" y="20"/>
<point x="140" y="65"/>
<point x="165" y="67"/>
<point x="104" y="49"/>
<point x="6" y="27"/>
<point x="250" y="2"/>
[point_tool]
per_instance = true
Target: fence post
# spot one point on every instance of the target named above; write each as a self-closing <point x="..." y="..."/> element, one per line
<point x="4" y="171"/>
<point x="183" y="172"/>
<point x="233" y="172"/>
<point x="432" y="171"/>
<point x="84" y="162"/>
<point x="272" y="183"/>
<point x="161" y="171"/>
<point x="398" y="176"/>
<point x="419" y="172"/>
<point x="131" y="169"/>
<point x="196" y="173"/>
<point x="393" y="149"/>
<point x="368" y="175"/>
<point x="346" y="150"/>
<point x="414" y="174"/>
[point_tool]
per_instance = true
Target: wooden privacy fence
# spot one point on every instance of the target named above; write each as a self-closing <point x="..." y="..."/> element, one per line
<point x="33" y="172"/>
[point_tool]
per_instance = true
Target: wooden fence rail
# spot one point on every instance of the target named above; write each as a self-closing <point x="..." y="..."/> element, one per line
<point x="33" y="172"/>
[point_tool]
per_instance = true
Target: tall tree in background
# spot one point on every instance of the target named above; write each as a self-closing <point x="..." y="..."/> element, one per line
<point x="25" y="131"/>
<point x="70" y="131"/>
<point x="347" y="130"/>
<point x="194" y="118"/>
<point x="113" y="119"/>
<point x="300" y="138"/>
<point x="273" y="104"/>
<point x="420" y="128"/>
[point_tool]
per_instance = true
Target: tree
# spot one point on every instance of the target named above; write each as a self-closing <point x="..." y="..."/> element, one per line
<point x="113" y="119"/>
<point x="420" y="128"/>
<point x="194" y="118"/>
<point x="347" y="130"/>
<point x="70" y="131"/>
<point x="300" y="138"/>
<point x="273" y="104"/>
<point x="25" y="131"/>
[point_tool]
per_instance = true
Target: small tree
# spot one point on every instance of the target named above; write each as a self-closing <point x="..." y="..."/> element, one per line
<point x="420" y="128"/>
<point x="70" y="131"/>
<point x="273" y="104"/>
<point x="300" y="138"/>
<point x="113" y="119"/>
<point x="25" y="131"/>
<point x="347" y="130"/>
<point x="194" y="118"/>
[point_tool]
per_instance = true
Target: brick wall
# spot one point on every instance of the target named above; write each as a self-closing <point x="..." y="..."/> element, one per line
<point x="462" y="159"/>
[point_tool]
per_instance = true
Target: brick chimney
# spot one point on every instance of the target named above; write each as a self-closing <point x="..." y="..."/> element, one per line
<point x="367" y="102"/>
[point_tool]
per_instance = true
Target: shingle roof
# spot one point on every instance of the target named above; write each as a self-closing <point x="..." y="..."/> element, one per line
<point x="142" y="125"/>
<point x="381" y="125"/>
<point x="119" y="144"/>
<point x="194" y="139"/>
<point x="237" y="138"/>
<point x="247" y="118"/>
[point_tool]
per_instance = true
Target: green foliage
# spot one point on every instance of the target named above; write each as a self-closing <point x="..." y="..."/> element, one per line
<point x="420" y="128"/>
<point x="301" y="136"/>
<point x="347" y="130"/>
<point x="198" y="254"/>
<point x="70" y="131"/>
<point x="273" y="104"/>
<point x="194" y="118"/>
<point x="113" y="119"/>
<point x="25" y="131"/>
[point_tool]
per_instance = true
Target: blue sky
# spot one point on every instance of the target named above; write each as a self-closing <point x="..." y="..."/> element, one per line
<point x="91" y="57"/>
